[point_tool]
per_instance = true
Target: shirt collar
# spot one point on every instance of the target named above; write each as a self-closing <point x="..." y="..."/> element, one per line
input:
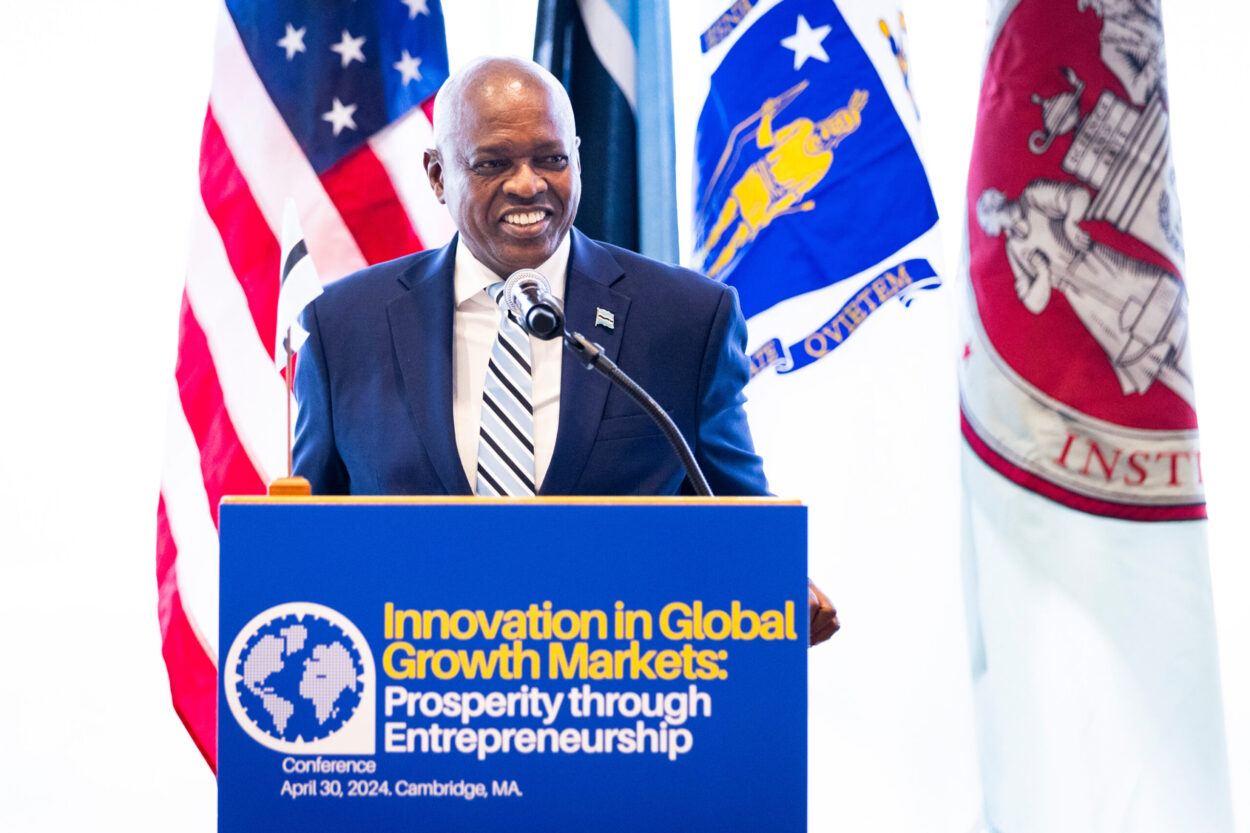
<point x="472" y="276"/>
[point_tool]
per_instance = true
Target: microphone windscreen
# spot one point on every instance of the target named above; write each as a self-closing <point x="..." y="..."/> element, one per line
<point x="519" y="279"/>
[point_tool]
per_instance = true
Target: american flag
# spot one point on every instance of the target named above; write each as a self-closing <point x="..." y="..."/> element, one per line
<point x="329" y="104"/>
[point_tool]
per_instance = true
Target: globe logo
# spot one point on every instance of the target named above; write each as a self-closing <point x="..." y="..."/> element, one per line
<point x="297" y="675"/>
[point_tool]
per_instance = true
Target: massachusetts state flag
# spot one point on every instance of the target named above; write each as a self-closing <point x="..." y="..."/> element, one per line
<point x="810" y="197"/>
<point x="804" y="163"/>
<point x="326" y="104"/>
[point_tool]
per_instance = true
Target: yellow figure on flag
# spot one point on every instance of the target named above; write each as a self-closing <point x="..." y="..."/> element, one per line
<point x="799" y="155"/>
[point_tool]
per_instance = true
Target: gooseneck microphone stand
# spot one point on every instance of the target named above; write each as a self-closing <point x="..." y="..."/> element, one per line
<point x="527" y="297"/>
<point x="591" y="355"/>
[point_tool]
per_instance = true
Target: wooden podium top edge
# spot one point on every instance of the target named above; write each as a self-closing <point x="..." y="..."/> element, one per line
<point x="419" y="500"/>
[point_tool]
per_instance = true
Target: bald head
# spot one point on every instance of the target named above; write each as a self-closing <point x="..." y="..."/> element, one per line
<point x="500" y="82"/>
<point x="505" y="161"/>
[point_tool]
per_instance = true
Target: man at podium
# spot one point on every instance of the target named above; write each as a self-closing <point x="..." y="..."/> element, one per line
<point x="414" y="381"/>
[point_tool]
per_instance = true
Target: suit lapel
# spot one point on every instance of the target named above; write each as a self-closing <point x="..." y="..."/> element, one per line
<point x="583" y="393"/>
<point x="421" y="321"/>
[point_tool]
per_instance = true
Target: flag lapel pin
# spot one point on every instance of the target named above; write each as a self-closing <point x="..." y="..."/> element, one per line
<point x="604" y="319"/>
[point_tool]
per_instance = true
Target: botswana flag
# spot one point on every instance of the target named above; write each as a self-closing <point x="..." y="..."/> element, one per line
<point x="613" y="57"/>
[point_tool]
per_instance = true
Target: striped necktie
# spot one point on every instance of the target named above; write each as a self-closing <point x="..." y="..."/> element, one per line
<point x="505" y="450"/>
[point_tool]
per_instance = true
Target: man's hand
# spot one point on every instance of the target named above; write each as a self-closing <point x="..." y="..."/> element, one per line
<point x="820" y="611"/>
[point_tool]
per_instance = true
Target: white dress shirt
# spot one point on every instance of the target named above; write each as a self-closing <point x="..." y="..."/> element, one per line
<point x="473" y="329"/>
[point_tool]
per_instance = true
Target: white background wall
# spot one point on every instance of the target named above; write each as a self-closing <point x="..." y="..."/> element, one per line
<point x="103" y="104"/>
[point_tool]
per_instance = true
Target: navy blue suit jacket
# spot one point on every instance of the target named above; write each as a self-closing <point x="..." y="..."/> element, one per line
<point x="374" y="381"/>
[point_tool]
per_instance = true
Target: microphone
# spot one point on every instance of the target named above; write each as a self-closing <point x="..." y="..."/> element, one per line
<point x="527" y="295"/>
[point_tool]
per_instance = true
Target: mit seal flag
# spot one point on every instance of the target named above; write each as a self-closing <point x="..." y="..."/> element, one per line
<point x="327" y="104"/>
<point x="1089" y="593"/>
<point x="811" y="199"/>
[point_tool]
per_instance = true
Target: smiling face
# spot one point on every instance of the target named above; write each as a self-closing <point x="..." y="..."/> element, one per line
<point x="506" y="163"/>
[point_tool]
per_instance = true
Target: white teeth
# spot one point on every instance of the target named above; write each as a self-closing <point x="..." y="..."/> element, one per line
<point x="524" y="219"/>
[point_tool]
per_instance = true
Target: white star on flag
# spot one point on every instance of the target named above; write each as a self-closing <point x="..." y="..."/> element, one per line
<point x="409" y="68"/>
<point x="805" y="43"/>
<point x="416" y="7"/>
<point x="293" y="41"/>
<point x="349" y="48"/>
<point x="340" y="115"/>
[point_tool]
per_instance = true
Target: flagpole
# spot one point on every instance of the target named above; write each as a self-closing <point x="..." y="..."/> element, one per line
<point x="289" y="486"/>
<point x="290" y="370"/>
<point x="297" y="286"/>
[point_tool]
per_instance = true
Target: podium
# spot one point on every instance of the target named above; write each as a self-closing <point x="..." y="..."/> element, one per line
<point x="543" y="664"/>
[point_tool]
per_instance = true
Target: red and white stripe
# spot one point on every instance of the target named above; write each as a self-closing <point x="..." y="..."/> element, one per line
<point x="226" y="416"/>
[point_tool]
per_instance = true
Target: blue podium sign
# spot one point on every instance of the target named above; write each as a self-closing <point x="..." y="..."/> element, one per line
<point x="533" y="665"/>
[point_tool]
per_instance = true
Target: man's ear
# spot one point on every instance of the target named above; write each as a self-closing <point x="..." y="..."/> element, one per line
<point x="577" y="154"/>
<point x="434" y="170"/>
